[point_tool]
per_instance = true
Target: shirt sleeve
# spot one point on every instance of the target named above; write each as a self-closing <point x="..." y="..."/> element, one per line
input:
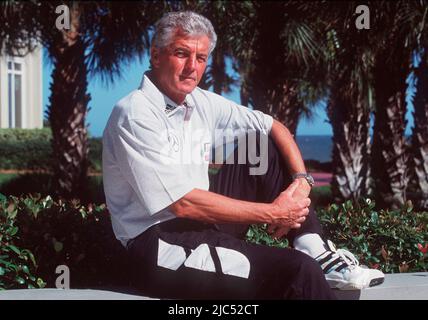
<point x="147" y="162"/>
<point x="228" y="115"/>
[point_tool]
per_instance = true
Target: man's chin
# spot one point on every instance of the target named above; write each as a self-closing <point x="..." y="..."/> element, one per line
<point x="186" y="89"/>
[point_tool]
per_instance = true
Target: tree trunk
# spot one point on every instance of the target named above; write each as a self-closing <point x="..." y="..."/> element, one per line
<point x="420" y="135"/>
<point x="350" y="119"/>
<point x="282" y="103"/>
<point x="272" y="87"/>
<point x="218" y="71"/>
<point x="244" y="94"/>
<point x="67" y="112"/>
<point x="390" y="159"/>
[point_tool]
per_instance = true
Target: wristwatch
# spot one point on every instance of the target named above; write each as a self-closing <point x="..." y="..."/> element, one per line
<point x="307" y="176"/>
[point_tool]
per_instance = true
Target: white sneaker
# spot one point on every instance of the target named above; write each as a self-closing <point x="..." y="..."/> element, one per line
<point x="342" y="270"/>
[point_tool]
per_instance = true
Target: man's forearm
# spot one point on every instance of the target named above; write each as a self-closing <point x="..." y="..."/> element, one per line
<point x="287" y="147"/>
<point x="215" y="208"/>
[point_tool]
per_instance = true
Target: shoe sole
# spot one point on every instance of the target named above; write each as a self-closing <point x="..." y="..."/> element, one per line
<point x="335" y="284"/>
<point x="376" y="282"/>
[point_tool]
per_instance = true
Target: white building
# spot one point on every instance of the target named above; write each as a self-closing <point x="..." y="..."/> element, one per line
<point x="21" y="91"/>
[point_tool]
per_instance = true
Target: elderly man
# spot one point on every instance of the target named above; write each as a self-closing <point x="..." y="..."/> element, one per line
<point x="185" y="241"/>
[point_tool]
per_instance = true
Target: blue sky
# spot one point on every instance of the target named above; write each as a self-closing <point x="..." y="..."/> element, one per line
<point x="104" y="96"/>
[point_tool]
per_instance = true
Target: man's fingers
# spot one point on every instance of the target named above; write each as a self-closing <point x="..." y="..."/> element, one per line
<point x="292" y="187"/>
<point x="281" y="232"/>
<point x="301" y="219"/>
<point x="304" y="203"/>
<point x="271" y="228"/>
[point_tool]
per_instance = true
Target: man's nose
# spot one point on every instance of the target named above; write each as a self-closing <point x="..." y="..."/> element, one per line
<point x="191" y="63"/>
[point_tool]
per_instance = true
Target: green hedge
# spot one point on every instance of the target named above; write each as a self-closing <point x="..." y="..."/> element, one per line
<point x="30" y="149"/>
<point x="25" y="149"/>
<point x="387" y="239"/>
<point x="38" y="234"/>
<point x="42" y="183"/>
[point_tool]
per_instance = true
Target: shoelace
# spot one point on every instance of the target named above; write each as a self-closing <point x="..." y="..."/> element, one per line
<point x="345" y="255"/>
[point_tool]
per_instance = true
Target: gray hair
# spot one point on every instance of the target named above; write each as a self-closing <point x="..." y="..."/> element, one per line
<point x="189" y="22"/>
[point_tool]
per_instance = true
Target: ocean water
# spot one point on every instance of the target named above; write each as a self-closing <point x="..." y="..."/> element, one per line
<point x="315" y="147"/>
<point x="312" y="147"/>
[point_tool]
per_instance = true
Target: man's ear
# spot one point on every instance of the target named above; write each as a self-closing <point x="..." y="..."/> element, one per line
<point x="154" y="56"/>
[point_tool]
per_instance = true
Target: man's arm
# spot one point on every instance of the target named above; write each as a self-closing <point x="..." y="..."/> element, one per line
<point x="288" y="148"/>
<point x="214" y="208"/>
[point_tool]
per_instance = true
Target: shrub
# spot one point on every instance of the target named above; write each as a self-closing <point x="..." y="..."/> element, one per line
<point x="37" y="234"/>
<point x="30" y="149"/>
<point x="17" y="265"/>
<point x="391" y="240"/>
<point x="42" y="183"/>
<point x="258" y="234"/>
<point x="66" y="233"/>
<point x="25" y="149"/>
<point x="385" y="239"/>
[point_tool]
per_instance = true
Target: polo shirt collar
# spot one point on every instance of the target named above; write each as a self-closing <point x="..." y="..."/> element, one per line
<point x="160" y="100"/>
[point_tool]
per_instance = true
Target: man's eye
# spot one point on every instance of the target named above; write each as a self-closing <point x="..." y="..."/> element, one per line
<point x="202" y="59"/>
<point x="180" y="54"/>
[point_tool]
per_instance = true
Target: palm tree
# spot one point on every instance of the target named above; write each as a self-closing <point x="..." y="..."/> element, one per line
<point x="102" y="36"/>
<point x="348" y="77"/>
<point x="420" y="133"/>
<point x="273" y="59"/>
<point x="395" y="42"/>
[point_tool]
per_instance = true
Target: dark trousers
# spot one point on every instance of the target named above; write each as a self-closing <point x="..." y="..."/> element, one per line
<point x="186" y="259"/>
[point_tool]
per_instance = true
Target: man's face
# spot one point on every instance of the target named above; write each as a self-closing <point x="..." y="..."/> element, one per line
<point x="179" y="67"/>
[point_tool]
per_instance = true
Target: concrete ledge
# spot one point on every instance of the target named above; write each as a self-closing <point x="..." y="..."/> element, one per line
<point x="72" y="294"/>
<point x="400" y="286"/>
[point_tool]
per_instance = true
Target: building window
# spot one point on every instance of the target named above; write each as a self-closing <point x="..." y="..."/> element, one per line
<point x="14" y="81"/>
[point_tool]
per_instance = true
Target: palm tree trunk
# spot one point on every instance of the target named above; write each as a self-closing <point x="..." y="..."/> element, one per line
<point x="282" y="103"/>
<point x="350" y="120"/>
<point x="390" y="159"/>
<point x="244" y="94"/>
<point x="420" y="134"/>
<point x="218" y="71"/>
<point x="67" y="112"/>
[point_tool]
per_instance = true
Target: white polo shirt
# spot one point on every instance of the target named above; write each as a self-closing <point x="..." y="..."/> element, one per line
<point x="155" y="151"/>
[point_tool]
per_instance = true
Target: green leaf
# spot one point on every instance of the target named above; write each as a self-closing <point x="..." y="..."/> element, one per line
<point x="2" y="271"/>
<point x="374" y="217"/>
<point x="14" y="249"/>
<point x="20" y="280"/>
<point x="11" y="211"/>
<point x="41" y="283"/>
<point x="26" y="270"/>
<point x="14" y="231"/>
